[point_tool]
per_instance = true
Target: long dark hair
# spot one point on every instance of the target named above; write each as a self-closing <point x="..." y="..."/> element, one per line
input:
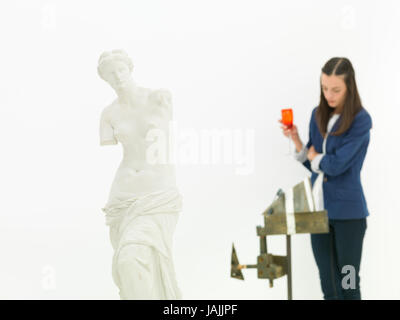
<point x="352" y="104"/>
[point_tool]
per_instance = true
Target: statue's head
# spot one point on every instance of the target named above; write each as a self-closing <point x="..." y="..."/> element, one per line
<point x="115" y="67"/>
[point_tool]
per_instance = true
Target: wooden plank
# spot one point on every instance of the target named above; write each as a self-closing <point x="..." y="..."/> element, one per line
<point x="306" y="222"/>
<point x="312" y="222"/>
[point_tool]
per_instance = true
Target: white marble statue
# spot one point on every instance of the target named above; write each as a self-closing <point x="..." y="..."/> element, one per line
<point x="144" y="202"/>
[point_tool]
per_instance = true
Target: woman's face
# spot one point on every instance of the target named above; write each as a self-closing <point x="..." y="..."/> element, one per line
<point x="117" y="74"/>
<point x="334" y="89"/>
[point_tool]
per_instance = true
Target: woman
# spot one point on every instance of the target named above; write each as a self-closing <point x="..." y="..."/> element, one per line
<point x="339" y="134"/>
<point x="144" y="203"/>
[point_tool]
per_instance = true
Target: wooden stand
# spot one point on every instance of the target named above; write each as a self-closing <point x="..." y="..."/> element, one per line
<point x="289" y="266"/>
<point x="305" y="219"/>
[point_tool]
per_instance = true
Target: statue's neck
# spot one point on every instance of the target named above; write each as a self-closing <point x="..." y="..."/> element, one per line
<point x="126" y="95"/>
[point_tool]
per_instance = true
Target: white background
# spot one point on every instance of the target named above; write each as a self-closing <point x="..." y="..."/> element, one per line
<point x="229" y="64"/>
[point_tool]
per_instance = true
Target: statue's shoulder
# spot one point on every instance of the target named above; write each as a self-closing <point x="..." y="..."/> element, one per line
<point x="109" y="109"/>
<point x="161" y="97"/>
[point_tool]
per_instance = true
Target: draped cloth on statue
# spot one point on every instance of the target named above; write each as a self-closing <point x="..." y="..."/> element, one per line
<point x="141" y="233"/>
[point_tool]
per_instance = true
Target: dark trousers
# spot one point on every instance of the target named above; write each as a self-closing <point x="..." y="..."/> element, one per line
<point x="334" y="252"/>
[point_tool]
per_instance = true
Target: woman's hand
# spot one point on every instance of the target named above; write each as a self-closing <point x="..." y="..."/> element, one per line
<point x="311" y="154"/>
<point x="292" y="133"/>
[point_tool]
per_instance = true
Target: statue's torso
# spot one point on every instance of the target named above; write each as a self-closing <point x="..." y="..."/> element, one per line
<point x="133" y="127"/>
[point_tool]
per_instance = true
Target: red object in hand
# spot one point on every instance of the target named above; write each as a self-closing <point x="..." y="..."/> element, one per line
<point x="287" y="117"/>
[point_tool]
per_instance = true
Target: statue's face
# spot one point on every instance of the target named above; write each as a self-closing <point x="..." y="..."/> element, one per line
<point x="117" y="74"/>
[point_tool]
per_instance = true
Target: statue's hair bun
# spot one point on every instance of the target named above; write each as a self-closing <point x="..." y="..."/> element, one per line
<point x="111" y="56"/>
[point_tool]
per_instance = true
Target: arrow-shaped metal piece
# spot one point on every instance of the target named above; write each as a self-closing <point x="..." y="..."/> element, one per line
<point x="235" y="266"/>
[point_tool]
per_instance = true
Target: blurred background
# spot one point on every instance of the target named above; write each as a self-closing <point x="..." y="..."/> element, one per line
<point x="230" y="65"/>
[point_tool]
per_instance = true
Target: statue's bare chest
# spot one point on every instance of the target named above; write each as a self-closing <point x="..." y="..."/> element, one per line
<point x="130" y="123"/>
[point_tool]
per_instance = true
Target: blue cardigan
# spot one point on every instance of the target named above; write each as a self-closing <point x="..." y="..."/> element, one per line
<point x="341" y="164"/>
